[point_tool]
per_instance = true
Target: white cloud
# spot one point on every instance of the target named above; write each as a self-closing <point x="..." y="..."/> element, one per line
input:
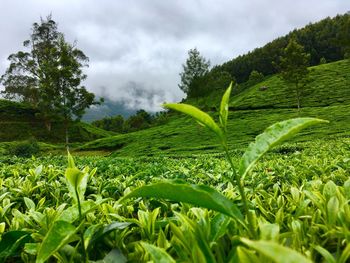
<point x="145" y="42"/>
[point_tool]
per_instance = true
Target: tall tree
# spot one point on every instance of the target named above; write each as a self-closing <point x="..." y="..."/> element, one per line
<point x="49" y="76"/>
<point x="293" y="66"/>
<point x="195" y="66"/>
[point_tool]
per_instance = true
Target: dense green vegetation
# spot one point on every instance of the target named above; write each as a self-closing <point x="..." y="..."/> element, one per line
<point x="292" y="190"/>
<point x="139" y="121"/>
<point x="21" y="122"/>
<point x="327" y="40"/>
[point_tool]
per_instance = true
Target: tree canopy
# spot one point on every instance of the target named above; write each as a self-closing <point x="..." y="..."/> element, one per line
<point x="195" y="66"/>
<point x="328" y="39"/>
<point x="49" y="75"/>
<point x="294" y="67"/>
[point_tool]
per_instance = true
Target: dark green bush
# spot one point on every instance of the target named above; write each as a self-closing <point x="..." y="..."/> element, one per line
<point x="25" y="149"/>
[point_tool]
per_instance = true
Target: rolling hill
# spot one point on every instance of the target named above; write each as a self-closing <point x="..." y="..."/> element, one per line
<point x="326" y="96"/>
<point x="20" y="122"/>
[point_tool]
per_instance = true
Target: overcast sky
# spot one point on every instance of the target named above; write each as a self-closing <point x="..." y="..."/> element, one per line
<point x="137" y="48"/>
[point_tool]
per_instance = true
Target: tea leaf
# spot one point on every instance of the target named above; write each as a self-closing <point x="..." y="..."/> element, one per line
<point x="197" y="114"/>
<point x="224" y="107"/>
<point x="11" y="241"/>
<point x="198" y="195"/>
<point x="276" y="252"/>
<point x="58" y="235"/>
<point x="326" y="254"/>
<point x="114" y="256"/>
<point x="157" y="254"/>
<point x="272" y="136"/>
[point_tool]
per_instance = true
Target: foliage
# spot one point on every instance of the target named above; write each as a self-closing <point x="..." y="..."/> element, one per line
<point x="289" y="190"/>
<point x="328" y="38"/>
<point x="19" y="122"/>
<point x="25" y="149"/>
<point x="293" y="66"/>
<point x="255" y="77"/>
<point x="195" y="66"/>
<point x="49" y="75"/>
<point x="139" y="121"/>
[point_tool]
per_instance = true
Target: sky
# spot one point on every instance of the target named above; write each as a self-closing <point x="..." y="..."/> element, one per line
<point x="137" y="47"/>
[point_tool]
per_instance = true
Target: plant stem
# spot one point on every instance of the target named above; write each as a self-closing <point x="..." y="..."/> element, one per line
<point x="242" y="193"/>
<point x="80" y="219"/>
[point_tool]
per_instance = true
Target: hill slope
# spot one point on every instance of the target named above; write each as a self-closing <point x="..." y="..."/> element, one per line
<point x="327" y="96"/>
<point x="328" y="85"/>
<point x="19" y="122"/>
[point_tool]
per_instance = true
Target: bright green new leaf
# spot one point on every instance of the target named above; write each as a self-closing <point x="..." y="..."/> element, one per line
<point x="332" y="209"/>
<point x="58" y="235"/>
<point x="29" y="203"/>
<point x="74" y="176"/>
<point x="277" y="253"/>
<point x="224" y="107"/>
<point x="71" y="163"/>
<point x="272" y="136"/>
<point x="71" y="214"/>
<point x="158" y="255"/>
<point x="198" y="195"/>
<point x="197" y="114"/>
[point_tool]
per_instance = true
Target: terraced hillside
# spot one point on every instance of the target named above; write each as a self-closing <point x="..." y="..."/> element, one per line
<point x="20" y="122"/>
<point x="326" y="96"/>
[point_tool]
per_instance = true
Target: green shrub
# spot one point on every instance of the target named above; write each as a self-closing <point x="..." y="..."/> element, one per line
<point x="25" y="148"/>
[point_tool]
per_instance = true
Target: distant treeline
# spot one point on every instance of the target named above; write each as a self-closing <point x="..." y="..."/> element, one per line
<point x="140" y="120"/>
<point x="325" y="41"/>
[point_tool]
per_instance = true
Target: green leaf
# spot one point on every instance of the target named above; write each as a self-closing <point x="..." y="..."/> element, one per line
<point x="218" y="226"/>
<point x="58" y="235"/>
<point x="246" y="255"/>
<point x="74" y="176"/>
<point x="197" y="114"/>
<point x="329" y="190"/>
<point x="31" y="248"/>
<point x="29" y="203"/>
<point x="345" y="254"/>
<point x="272" y="136"/>
<point x="198" y="195"/>
<point x="71" y="163"/>
<point x="332" y="209"/>
<point x="158" y="255"/>
<point x="325" y="253"/>
<point x="276" y="252"/>
<point x="105" y="230"/>
<point x="11" y="241"/>
<point x="114" y="256"/>
<point x="71" y="214"/>
<point x="224" y="107"/>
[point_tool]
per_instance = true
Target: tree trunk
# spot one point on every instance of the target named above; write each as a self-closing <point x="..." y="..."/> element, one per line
<point x="298" y="99"/>
<point x="47" y="125"/>
<point x="66" y="133"/>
